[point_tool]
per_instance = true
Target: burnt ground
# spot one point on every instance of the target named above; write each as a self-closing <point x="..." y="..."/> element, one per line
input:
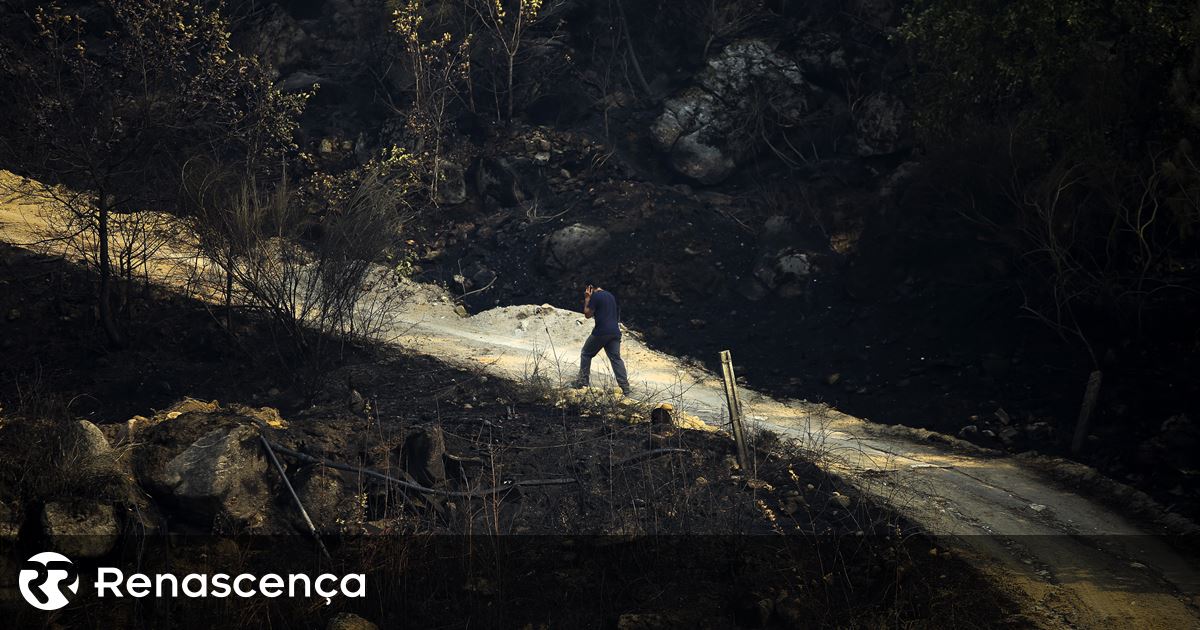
<point x="917" y="320"/>
<point x="664" y="539"/>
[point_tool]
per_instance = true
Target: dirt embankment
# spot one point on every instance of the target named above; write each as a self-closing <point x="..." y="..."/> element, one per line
<point x="1067" y="555"/>
<point x="88" y="459"/>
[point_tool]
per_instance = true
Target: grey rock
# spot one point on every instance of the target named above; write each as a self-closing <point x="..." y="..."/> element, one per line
<point x="222" y="472"/>
<point x="571" y="246"/>
<point x="693" y="156"/>
<point x="422" y="456"/>
<point x="704" y="128"/>
<point x="299" y="82"/>
<point x="786" y="272"/>
<point x="89" y="442"/>
<point x="84" y="530"/>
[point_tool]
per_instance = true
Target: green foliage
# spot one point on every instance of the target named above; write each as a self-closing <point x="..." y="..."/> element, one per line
<point x="115" y="102"/>
<point x="1079" y="116"/>
<point x="441" y="72"/>
<point x="1035" y="60"/>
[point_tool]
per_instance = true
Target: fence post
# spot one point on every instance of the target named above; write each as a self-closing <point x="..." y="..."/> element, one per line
<point x="1085" y="412"/>
<point x="735" y="409"/>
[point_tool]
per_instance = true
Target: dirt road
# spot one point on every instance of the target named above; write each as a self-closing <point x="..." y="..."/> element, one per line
<point x="1075" y="562"/>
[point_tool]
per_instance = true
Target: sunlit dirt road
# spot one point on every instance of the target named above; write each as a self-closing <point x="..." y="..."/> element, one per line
<point x="1077" y="563"/>
<point x="1072" y="560"/>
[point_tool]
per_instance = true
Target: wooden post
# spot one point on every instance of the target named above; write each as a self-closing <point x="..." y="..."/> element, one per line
<point x="1085" y="412"/>
<point x="735" y="409"/>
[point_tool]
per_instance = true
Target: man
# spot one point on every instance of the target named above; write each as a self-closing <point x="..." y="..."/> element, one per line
<point x="602" y="306"/>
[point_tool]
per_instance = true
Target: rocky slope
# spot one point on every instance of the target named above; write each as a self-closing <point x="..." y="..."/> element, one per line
<point x="187" y="484"/>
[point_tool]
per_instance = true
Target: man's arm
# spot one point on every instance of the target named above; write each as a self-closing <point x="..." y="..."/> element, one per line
<point x="587" y="301"/>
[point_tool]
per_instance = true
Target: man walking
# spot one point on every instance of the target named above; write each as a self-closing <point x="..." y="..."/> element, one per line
<point x="602" y="306"/>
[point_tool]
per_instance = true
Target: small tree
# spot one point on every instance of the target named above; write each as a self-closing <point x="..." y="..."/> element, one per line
<point x="440" y="69"/>
<point x="1095" y="164"/>
<point x="507" y="26"/>
<point x="316" y="287"/>
<point x="110" y="108"/>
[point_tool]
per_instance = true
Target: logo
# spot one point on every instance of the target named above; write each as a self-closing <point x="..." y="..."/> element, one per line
<point x="45" y="580"/>
<point x="49" y="580"/>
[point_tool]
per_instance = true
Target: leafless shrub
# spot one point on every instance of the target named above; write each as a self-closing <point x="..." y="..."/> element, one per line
<point x="1102" y="238"/>
<point x="320" y="290"/>
<point x="506" y="27"/>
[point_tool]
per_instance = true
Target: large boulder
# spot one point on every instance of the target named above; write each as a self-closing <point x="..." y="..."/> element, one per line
<point x="89" y="440"/>
<point x="80" y="530"/>
<point x="223" y="473"/>
<point x="87" y="449"/>
<point x="571" y="246"/>
<point x="710" y="127"/>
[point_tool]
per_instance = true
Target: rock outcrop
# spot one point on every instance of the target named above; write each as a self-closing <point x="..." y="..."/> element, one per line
<point x="206" y="461"/>
<point x="223" y="472"/>
<point x="712" y="126"/>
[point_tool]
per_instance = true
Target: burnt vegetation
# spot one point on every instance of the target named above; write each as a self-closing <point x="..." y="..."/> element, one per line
<point x="946" y="213"/>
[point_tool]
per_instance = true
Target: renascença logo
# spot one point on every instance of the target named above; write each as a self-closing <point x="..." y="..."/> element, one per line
<point x="43" y="578"/>
<point x="45" y="575"/>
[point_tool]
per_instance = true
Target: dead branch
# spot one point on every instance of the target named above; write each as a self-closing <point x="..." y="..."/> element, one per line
<point x="303" y="512"/>
<point x="328" y="463"/>
<point x="648" y="454"/>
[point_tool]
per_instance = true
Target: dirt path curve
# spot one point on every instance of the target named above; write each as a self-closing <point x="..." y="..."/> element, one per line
<point x="1077" y="563"/>
<point x="1074" y="562"/>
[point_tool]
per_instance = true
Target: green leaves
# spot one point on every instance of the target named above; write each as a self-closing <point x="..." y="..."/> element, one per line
<point x="1031" y="59"/>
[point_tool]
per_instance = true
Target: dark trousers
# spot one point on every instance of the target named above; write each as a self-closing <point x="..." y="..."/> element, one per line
<point x="612" y="348"/>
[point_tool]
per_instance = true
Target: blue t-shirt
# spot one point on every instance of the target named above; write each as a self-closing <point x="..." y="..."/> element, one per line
<point x="605" y="312"/>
